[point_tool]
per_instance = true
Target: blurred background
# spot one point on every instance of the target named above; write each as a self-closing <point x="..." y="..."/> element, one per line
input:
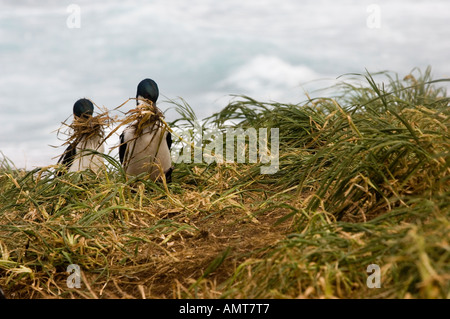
<point x="53" y="52"/>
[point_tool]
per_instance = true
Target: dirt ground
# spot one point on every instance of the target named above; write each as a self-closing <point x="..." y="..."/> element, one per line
<point x="168" y="272"/>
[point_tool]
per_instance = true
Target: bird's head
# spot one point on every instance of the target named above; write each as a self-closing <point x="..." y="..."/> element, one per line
<point x="147" y="89"/>
<point x="83" y="108"/>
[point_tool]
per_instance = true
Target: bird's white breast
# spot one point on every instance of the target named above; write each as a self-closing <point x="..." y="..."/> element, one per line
<point x="84" y="159"/>
<point x="147" y="152"/>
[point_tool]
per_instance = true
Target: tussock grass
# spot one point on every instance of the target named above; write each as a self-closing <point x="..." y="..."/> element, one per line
<point x="363" y="179"/>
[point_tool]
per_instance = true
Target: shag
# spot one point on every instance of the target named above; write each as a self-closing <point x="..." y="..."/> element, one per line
<point x="145" y="147"/>
<point x="78" y="155"/>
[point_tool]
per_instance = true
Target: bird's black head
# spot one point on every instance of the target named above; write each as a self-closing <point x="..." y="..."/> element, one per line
<point x="83" y="108"/>
<point x="147" y="89"/>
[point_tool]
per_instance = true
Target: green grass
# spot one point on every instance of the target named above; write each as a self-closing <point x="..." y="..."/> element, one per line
<point x="364" y="179"/>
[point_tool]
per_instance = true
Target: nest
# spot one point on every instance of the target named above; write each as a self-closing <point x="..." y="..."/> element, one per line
<point x="86" y="128"/>
<point x="144" y="116"/>
<point x="141" y="117"/>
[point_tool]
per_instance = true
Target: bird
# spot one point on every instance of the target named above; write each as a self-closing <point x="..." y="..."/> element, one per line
<point x="87" y="137"/>
<point x="145" y="147"/>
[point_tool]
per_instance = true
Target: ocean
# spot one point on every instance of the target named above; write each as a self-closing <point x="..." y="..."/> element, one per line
<point x="54" y="52"/>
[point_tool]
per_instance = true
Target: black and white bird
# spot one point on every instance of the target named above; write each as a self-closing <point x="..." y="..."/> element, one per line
<point x="78" y="155"/>
<point x="145" y="147"/>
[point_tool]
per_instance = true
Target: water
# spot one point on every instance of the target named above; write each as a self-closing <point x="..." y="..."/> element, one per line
<point x="200" y="50"/>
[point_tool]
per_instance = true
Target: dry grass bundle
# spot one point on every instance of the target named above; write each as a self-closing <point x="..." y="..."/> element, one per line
<point x="84" y="128"/>
<point x="143" y="116"/>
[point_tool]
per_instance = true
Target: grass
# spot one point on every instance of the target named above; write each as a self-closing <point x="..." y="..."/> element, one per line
<point x="363" y="179"/>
